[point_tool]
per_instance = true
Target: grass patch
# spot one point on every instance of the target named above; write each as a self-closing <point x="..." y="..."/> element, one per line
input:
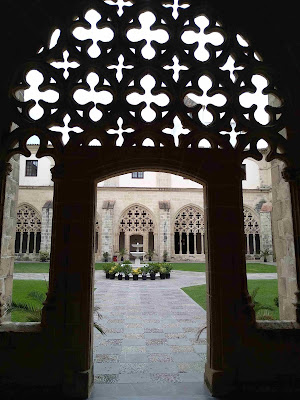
<point x="268" y="290"/>
<point x="194" y="267"/>
<point x="42" y="267"/>
<point x="261" y="268"/>
<point x="21" y="289"/>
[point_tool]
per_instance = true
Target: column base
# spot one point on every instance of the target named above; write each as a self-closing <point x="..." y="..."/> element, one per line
<point x="79" y="385"/>
<point x="219" y="383"/>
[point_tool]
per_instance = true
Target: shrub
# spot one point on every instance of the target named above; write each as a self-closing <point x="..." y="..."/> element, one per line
<point x="154" y="268"/>
<point x="136" y="271"/>
<point x="127" y="268"/>
<point x="44" y="256"/>
<point x="108" y="266"/>
<point x="167" y="266"/>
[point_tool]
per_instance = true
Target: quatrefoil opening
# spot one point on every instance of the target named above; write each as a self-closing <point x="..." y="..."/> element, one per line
<point x="92" y="97"/>
<point x="147" y="33"/>
<point x="94" y="31"/>
<point x="260" y="102"/>
<point x="152" y="104"/>
<point x="204" y="100"/>
<point x="38" y="94"/>
<point x="198" y="36"/>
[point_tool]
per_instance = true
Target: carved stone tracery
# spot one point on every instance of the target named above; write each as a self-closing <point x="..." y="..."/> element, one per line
<point x="28" y="219"/>
<point x="136" y="219"/>
<point x="251" y="223"/>
<point x="145" y="65"/>
<point x="189" y="219"/>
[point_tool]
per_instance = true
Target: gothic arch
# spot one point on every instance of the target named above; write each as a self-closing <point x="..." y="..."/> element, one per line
<point x="251" y="231"/>
<point x="144" y="221"/>
<point x="188" y="227"/>
<point x="28" y="230"/>
<point x="139" y="220"/>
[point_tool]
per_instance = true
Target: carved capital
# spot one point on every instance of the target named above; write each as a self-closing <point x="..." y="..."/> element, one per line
<point x="58" y="172"/>
<point x="291" y="174"/>
<point x="5" y="168"/>
<point x="164" y="205"/>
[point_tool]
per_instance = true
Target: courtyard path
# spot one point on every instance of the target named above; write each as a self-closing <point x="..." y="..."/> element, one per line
<point x="149" y="350"/>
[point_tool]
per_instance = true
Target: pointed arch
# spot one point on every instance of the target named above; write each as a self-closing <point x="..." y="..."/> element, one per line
<point x="251" y="232"/>
<point x="28" y="230"/>
<point x="137" y="218"/>
<point x="188" y="226"/>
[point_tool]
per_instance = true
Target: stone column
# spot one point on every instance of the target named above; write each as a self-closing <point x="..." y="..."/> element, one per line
<point x="289" y="230"/>
<point x="164" y="228"/>
<point x="68" y="310"/>
<point x="46" y="228"/>
<point x="107" y="227"/>
<point x="146" y="242"/>
<point x="265" y="229"/>
<point x="127" y="243"/>
<point x="9" y="181"/>
<point x="229" y="311"/>
<point x="283" y="237"/>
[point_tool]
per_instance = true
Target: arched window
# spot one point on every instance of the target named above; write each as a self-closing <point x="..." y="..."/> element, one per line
<point x="252" y="232"/>
<point x="136" y="224"/>
<point x="28" y="230"/>
<point x="189" y="231"/>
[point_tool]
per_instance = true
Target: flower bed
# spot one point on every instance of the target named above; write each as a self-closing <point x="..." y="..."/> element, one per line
<point x="127" y="271"/>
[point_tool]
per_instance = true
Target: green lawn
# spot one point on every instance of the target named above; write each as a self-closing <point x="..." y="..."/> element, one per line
<point x="268" y="290"/>
<point x="21" y="289"/>
<point x="196" y="267"/>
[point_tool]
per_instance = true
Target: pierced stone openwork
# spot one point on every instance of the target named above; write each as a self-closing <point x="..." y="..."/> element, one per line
<point x="136" y="219"/>
<point x="28" y="230"/>
<point x="252" y="231"/>
<point x="189" y="231"/>
<point x="121" y="72"/>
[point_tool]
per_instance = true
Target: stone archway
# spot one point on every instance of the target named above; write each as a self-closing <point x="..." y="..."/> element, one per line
<point x="188" y="229"/>
<point x="28" y="232"/>
<point x="119" y="124"/>
<point x="137" y="220"/>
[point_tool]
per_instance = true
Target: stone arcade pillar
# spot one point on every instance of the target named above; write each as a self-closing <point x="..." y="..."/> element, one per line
<point x="292" y="175"/>
<point x="164" y="229"/>
<point x="266" y="229"/>
<point x="68" y="311"/>
<point x="46" y="228"/>
<point x="284" y="242"/>
<point x="229" y="313"/>
<point x="9" y="175"/>
<point x="107" y="227"/>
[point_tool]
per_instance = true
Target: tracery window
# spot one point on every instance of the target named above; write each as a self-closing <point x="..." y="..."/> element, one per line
<point x="252" y="232"/>
<point x="120" y="64"/>
<point x="28" y="230"/>
<point x="136" y="219"/>
<point x="189" y="231"/>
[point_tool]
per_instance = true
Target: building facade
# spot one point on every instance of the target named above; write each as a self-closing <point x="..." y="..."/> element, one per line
<point x="164" y="212"/>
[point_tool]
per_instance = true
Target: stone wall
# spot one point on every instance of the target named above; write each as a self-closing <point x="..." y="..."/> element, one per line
<point x="107" y="227"/>
<point x="46" y="228"/>
<point x="266" y="242"/>
<point x="284" y="242"/>
<point x="9" y="233"/>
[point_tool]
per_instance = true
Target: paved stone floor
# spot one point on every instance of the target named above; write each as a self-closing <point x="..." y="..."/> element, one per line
<point x="150" y="349"/>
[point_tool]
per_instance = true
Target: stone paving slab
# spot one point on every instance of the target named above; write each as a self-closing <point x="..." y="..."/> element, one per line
<point x="150" y="337"/>
<point x="150" y="349"/>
